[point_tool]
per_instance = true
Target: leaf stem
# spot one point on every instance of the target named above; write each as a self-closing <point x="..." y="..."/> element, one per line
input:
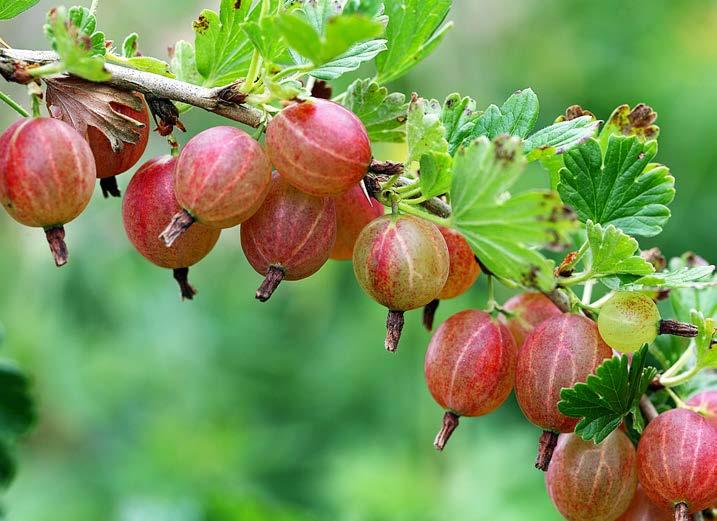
<point x="255" y="63"/>
<point x="47" y="70"/>
<point x="413" y="210"/>
<point x="14" y="105"/>
<point x="588" y="292"/>
<point x="678" y="401"/>
<point x="679" y="364"/>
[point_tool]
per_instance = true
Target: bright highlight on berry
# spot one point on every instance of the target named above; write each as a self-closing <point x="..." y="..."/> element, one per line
<point x="628" y="320"/>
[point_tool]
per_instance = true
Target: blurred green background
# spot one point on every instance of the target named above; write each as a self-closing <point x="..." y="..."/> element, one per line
<point x="221" y="409"/>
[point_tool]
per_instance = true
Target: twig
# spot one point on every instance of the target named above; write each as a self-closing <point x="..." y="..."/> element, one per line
<point x="434" y="205"/>
<point x="213" y="100"/>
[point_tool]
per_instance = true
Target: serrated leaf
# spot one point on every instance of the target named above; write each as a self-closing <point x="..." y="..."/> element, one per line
<point x="685" y="277"/>
<point x="83" y="104"/>
<point x="607" y="396"/>
<point x="130" y="46"/>
<point x="414" y="30"/>
<point x="383" y="114"/>
<point x="614" y="252"/>
<point x="560" y="137"/>
<point x="516" y="117"/>
<point x="504" y="231"/>
<point x="435" y="176"/>
<point x="459" y="116"/>
<point x="370" y="8"/>
<point x="626" y="190"/>
<point x="17" y="409"/>
<point x="424" y="129"/>
<point x="266" y="38"/>
<point x="222" y="49"/>
<point x="350" y="60"/>
<point x="12" y="8"/>
<point x="149" y="64"/>
<point x="701" y="298"/>
<point x="183" y="64"/>
<point x="624" y="121"/>
<point x="705" y="345"/>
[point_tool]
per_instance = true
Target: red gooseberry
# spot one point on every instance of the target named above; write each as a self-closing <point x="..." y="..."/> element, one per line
<point x="558" y="353"/>
<point x="642" y="508"/>
<point x="527" y="310"/>
<point x="290" y="237"/>
<point x="469" y="368"/>
<point x="354" y="210"/>
<point x="462" y="272"/>
<point x="319" y="147"/>
<point x="47" y="176"/>
<point x="706" y="401"/>
<point x="148" y="204"/>
<point x="402" y="262"/>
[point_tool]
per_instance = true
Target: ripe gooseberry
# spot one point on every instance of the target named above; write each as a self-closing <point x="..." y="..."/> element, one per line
<point x="462" y="272"/>
<point x="642" y="508"/>
<point x="628" y="320"/>
<point x="222" y="178"/>
<point x="148" y="204"/>
<point x="319" y="147"/>
<point x="354" y="210"/>
<point x="469" y="368"/>
<point x="112" y="162"/>
<point x="47" y="176"/>
<point x="290" y="237"/>
<point x="589" y="482"/>
<point x="707" y="402"/>
<point x="527" y="311"/>
<point x="402" y="262"/>
<point x="560" y="352"/>
<point x="676" y="462"/>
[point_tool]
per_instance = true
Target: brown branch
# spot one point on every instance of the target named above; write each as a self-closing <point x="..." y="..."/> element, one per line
<point x="213" y="100"/>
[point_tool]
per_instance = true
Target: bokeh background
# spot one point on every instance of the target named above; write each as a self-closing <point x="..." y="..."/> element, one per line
<point x="224" y="409"/>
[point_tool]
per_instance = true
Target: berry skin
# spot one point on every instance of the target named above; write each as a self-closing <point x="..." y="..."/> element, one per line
<point x="676" y="462"/>
<point x="629" y="320"/>
<point x="319" y="147"/>
<point x="290" y="237"/>
<point x="560" y="352"/>
<point x="462" y="272"/>
<point x="47" y="176"/>
<point x="221" y="180"/>
<point x="707" y="401"/>
<point x="148" y="204"/>
<point x="589" y="482"/>
<point x="110" y="163"/>
<point x="529" y="310"/>
<point x="643" y="509"/>
<point x="353" y="212"/>
<point x="469" y="368"/>
<point x="402" y="262"/>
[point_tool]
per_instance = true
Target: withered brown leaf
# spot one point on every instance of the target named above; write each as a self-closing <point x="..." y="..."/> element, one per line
<point x="83" y="103"/>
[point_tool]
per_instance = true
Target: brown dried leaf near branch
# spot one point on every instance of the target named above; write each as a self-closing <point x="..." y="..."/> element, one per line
<point x="82" y="103"/>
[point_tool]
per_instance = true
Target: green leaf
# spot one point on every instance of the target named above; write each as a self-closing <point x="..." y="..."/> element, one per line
<point x="516" y="117"/>
<point x="129" y="46"/>
<point x="701" y="297"/>
<point x="613" y="252"/>
<point x="414" y="30"/>
<point x="630" y="122"/>
<point x="560" y="137"/>
<point x="350" y="60"/>
<point x="424" y="131"/>
<point x="383" y="114"/>
<point x="68" y="33"/>
<point x="682" y="278"/>
<point x="370" y="8"/>
<point x="8" y="466"/>
<point x="627" y="190"/>
<point x="435" y="176"/>
<point x="607" y="396"/>
<point x="266" y="38"/>
<point x="705" y="345"/>
<point x="17" y="409"/>
<point x="222" y="49"/>
<point x="149" y="64"/>
<point x="342" y="33"/>
<point x="505" y="231"/>
<point x="459" y="117"/>
<point x="12" y="8"/>
<point x="183" y="64"/>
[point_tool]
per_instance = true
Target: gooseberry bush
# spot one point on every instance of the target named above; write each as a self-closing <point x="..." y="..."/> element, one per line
<point x="622" y="388"/>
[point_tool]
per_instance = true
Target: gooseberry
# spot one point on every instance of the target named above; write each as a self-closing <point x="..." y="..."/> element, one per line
<point x="676" y="462"/>
<point x="354" y="210"/>
<point x="527" y="310"/>
<point x="560" y="352"/>
<point x="628" y="320"/>
<point x="47" y="176"/>
<point x="469" y="368"/>
<point x="589" y="482"/>
<point x="707" y="402"/>
<point x="402" y="262"/>
<point x="319" y="147"/>
<point x="148" y="204"/>
<point x="462" y="272"/>
<point x="642" y="508"/>
<point x="290" y="237"/>
<point x="222" y="178"/>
